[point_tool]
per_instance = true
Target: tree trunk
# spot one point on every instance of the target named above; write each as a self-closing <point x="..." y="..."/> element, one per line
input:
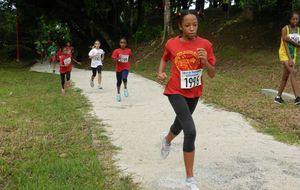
<point x="200" y="6"/>
<point x="116" y="12"/>
<point x="184" y="4"/>
<point x="131" y="16"/>
<point x="284" y="6"/>
<point x="167" y="21"/>
<point x="141" y="13"/>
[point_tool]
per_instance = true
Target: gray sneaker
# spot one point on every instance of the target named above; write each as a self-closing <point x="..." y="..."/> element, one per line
<point x="191" y="183"/>
<point x="92" y="83"/>
<point x="165" y="146"/>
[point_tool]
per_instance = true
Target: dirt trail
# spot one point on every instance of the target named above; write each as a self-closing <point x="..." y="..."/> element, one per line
<point x="230" y="154"/>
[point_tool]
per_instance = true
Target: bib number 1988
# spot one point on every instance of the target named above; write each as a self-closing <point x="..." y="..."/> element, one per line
<point x="190" y="79"/>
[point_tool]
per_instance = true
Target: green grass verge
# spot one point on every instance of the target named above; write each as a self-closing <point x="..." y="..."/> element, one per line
<point x="46" y="139"/>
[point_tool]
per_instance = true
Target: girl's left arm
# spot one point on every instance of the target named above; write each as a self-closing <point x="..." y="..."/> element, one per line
<point x="102" y="56"/>
<point x="134" y="60"/>
<point x="211" y="69"/>
<point x="76" y="61"/>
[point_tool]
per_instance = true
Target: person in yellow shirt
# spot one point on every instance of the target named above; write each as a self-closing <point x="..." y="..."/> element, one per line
<point x="290" y="41"/>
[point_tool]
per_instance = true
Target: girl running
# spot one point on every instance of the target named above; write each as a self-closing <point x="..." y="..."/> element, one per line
<point x="70" y="51"/>
<point x="97" y="56"/>
<point x="121" y="57"/>
<point x="189" y="55"/>
<point x="52" y="50"/>
<point x="65" y="62"/>
<point x="287" y="55"/>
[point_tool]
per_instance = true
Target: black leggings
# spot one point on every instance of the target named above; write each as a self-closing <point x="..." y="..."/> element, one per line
<point x="63" y="77"/>
<point x="184" y="108"/>
<point x="122" y="76"/>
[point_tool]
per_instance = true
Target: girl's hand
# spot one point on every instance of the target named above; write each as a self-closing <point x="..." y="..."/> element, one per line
<point x="161" y="77"/>
<point x="291" y="63"/>
<point x="202" y="55"/>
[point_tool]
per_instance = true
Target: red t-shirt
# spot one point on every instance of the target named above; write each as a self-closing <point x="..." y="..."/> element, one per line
<point x="65" y="60"/>
<point x="123" y="56"/>
<point x="186" y="66"/>
<point x="70" y="50"/>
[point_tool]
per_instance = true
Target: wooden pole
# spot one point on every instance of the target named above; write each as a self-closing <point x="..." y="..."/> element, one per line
<point x="17" y="37"/>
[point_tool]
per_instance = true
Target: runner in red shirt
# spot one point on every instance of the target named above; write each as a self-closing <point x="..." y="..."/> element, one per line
<point x="189" y="56"/>
<point x="121" y="57"/>
<point x="65" y="62"/>
<point x="70" y="51"/>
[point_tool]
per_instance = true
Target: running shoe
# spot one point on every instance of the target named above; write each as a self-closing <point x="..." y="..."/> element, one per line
<point x="279" y="100"/>
<point x="100" y="87"/>
<point x="92" y="83"/>
<point x="63" y="92"/>
<point x="126" y="93"/>
<point x="191" y="183"/>
<point x="118" y="97"/>
<point x="297" y="101"/>
<point x="53" y="71"/>
<point x="165" y="146"/>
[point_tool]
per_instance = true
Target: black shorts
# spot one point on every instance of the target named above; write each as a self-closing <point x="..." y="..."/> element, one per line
<point x="97" y="70"/>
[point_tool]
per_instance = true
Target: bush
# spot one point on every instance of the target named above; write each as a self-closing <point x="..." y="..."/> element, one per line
<point x="147" y="33"/>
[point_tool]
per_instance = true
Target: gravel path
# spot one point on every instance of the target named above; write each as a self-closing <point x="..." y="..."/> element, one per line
<point x="230" y="154"/>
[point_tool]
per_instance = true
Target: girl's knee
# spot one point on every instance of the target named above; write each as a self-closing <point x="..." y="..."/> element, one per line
<point x="294" y="72"/>
<point x="189" y="141"/>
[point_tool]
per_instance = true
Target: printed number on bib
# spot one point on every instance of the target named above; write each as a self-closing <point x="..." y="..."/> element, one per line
<point x="190" y="79"/>
<point x="67" y="61"/>
<point x="295" y="37"/>
<point x="98" y="57"/>
<point x="123" y="58"/>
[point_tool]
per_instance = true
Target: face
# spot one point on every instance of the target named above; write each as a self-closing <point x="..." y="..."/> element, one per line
<point x="294" y="20"/>
<point x="97" y="44"/>
<point x="189" y="26"/>
<point x="123" y="43"/>
<point x="68" y="44"/>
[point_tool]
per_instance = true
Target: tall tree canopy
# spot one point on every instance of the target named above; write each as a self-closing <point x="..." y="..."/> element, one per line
<point x="107" y="20"/>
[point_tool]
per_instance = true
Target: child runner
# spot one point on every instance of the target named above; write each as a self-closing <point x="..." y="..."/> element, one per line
<point x="189" y="55"/>
<point x="121" y="57"/>
<point x="287" y="55"/>
<point x="52" y="56"/>
<point x="70" y="51"/>
<point x="97" y="56"/>
<point x="65" y="62"/>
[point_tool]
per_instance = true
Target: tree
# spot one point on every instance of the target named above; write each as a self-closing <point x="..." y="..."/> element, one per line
<point x="167" y="21"/>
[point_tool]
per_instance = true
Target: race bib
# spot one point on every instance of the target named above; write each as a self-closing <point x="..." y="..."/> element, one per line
<point x="67" y="61"/>
<point x="190" y="79"/>
<point x="295" y="37"/>
<point x="53" y="52"/>
<point x="97" y="57"/>
<point x="123" y="58"/>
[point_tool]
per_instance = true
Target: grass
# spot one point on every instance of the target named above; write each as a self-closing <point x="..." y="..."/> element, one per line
<point x="237" y="87"/>
<point x="48" y="141"/>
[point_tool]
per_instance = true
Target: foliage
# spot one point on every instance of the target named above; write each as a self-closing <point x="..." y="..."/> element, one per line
<point x="146" y="33"/>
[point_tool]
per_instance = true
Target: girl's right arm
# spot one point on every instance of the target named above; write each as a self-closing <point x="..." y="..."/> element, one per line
<point x="115" y="57"/>
<point x="161" y="75"/>
<point x="91" y="56"/>
<point x="61" y="63"/>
